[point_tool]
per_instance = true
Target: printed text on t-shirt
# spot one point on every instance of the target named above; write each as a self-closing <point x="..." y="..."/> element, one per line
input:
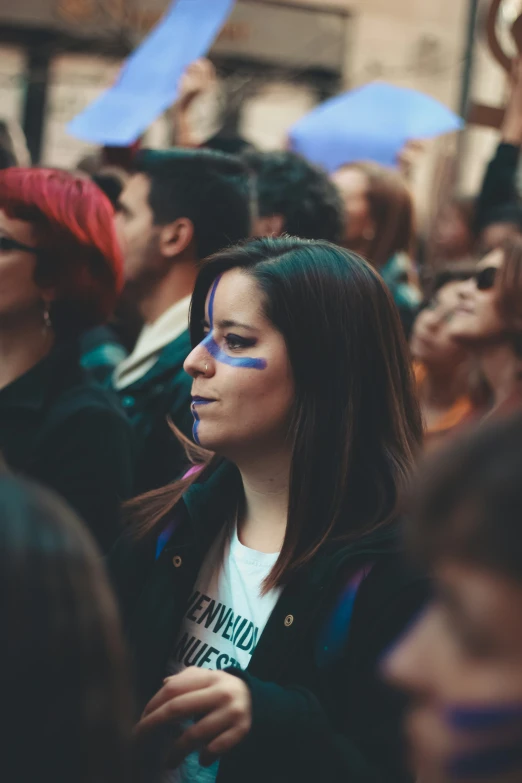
<point x="218" y="618"/>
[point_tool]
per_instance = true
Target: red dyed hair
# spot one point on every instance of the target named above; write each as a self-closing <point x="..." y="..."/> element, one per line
<point x="79" y="252"/>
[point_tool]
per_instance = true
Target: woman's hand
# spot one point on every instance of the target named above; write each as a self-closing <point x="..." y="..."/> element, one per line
<point x="219" y="703"/>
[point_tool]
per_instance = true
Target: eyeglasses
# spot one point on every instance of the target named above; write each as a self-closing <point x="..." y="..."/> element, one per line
<point x="7" y="244"/>
<point x="485" y="278"/>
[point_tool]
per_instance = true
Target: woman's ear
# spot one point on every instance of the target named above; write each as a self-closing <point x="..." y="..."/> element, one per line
<point x="176" y="237"/>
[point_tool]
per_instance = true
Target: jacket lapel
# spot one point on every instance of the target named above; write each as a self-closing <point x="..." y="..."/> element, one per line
<point x="302" y="603"/>
<point x="170" y="362"/>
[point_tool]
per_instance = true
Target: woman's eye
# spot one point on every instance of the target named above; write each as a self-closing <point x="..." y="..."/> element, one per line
<point x="236" y="343"/>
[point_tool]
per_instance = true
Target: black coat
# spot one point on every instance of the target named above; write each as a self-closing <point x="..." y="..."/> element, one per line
<point x="69" y="434"/>
<point x="164" y="391"/>
<point x="317" y="716"/>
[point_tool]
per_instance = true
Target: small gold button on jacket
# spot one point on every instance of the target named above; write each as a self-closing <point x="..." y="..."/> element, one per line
<point x="289" y="619"/>
<point x="177" y="561"/>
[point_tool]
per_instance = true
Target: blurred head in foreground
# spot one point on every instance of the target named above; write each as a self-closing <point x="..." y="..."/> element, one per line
<point x="64" y="687"/>
<point x="461" y="664"/>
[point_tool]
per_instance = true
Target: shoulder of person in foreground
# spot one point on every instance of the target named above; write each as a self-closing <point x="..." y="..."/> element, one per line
<point x="86" y="453"/>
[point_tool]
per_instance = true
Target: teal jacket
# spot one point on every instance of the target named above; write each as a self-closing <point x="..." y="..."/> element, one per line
<point x="162" y="393"/>
<point x="320" y="710"/>
<point x="398" y="273"/>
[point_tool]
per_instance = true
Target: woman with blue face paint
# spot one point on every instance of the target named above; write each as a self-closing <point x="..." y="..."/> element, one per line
<point x="461" y="663"/>
<point x="260" y="591"/>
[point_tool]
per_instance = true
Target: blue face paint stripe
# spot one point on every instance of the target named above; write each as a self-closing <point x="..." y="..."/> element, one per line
<point x="486" y="763"/>
<point x="211" y="302"/>
<point x="483" y="718"/>
<point x="214" y="349"/>
<point x="219" y="355"/>
<point x="195" y="426"/>
<point x="233" y="361"/>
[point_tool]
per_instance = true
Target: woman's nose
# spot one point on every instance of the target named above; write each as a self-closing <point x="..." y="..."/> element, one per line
<point x="199" y="362"/>
<point x="466" y="288"/>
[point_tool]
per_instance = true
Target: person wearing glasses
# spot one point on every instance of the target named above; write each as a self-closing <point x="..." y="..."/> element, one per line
<point x="488" y="322"/>
<point x="442" y="366"/>
<point x="60" y="274"/>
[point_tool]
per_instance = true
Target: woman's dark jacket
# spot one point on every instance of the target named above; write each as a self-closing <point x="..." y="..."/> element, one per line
<point x="69" y="434"/>
<point x="319" y="714"/>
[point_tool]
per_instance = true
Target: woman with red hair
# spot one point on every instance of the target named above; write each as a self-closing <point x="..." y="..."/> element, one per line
<point x="60" y="275"/>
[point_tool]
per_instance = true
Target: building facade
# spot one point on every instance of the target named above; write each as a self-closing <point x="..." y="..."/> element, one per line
<point x="276" y="60"/>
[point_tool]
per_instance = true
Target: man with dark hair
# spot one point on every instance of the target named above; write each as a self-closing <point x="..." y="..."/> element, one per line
<point x="178" y="207"/>
<point x="295" y="197"/>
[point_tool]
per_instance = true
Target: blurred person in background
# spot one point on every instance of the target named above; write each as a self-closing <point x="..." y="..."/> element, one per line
<point x="111" y="180"/>
<point x="7" y="159"/>
<point x="380" y="226"/>
<point x="200" y="78"/>
<point x="499" y="224"/>
<point x="453" y="239"/>
<point x="488" y="323"/>
<point x="442" y="366"/>
<point x="105" y="347"/>
<point x="461" y="663"/>
<point x="63" y="671"/>
<point x="60" y="274"/>
<point x="295" y="197"/>
<point x="498" y="214"/>
<point x="13" y="146"/>
<point x="179" y="207"/>
<point x="288" y="527"/>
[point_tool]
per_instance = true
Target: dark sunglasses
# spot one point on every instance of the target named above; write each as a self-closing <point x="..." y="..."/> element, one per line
<point x="7" y="244"/>
<point x="485" y="279"/>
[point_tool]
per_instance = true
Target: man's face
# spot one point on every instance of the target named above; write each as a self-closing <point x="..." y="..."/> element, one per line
<point x="137" y="234"/>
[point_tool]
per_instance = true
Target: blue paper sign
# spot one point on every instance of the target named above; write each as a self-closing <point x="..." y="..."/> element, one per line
<point x="373" y="122"/>
<point x="148" y="82"/>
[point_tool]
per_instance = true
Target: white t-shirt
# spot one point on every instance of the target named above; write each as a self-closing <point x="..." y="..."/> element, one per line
<point x="225" y="617"/>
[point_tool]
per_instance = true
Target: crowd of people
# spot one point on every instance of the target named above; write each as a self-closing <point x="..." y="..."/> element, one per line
<point x="261" y="471"/>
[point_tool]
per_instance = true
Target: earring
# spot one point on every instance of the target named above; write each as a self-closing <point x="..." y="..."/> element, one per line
<point x="206" y="367"/>
<point x="46" y="316"/>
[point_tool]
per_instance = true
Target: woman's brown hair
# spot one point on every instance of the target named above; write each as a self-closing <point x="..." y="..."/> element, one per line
<point x="356" y="423"/>
<point x="63" y="669"/>
<point x="391" y="209"/>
